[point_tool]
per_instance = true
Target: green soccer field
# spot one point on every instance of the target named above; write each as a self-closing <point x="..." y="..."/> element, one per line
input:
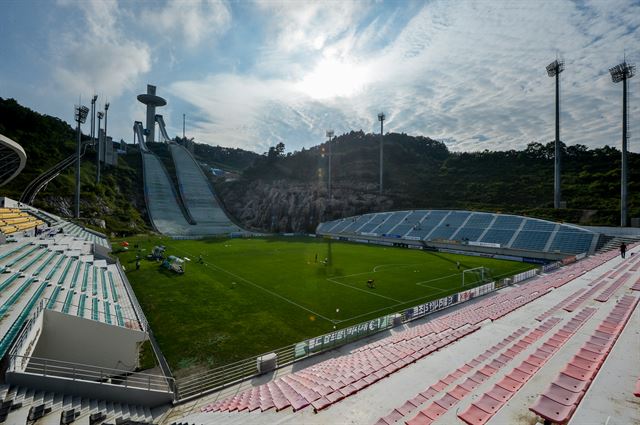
<point x="250" y="296"/>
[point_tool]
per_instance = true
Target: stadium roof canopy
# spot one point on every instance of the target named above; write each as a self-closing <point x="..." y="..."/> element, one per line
<point x="12" y="159"/>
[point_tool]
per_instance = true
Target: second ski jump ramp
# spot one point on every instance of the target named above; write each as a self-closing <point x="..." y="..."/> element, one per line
<point x="198" y="196"/>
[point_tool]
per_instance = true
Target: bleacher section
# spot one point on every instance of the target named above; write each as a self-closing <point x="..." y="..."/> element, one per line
<point x="56" y="270"/>
<point x="70" y="282"/>
<point x="15" y="220"/>
<point x="84" y="234"/>
<point x="520" y="234"/>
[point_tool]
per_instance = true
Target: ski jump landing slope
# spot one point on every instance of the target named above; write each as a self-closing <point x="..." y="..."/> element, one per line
<point x="162" y="202"/>
<point x="198" y="196"/>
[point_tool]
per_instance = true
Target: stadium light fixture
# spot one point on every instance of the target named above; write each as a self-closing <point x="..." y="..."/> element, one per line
<point x="81" y="113"/>
<point x="381" y="118"/>
<point x="621" y="73"/>
<point x="329" y="134"/>
<point x="553" y="70"/>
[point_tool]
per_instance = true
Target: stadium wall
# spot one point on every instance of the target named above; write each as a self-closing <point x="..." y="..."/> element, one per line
<point x="72" y="339"/>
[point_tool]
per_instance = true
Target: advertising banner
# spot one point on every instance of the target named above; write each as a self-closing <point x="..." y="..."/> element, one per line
<point x="343" y="335"/>
<point x="485" y="244"/>
<point x="430" y="307"/>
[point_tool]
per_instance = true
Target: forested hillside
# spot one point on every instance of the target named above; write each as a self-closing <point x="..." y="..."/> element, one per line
<point x="289" y="192"/>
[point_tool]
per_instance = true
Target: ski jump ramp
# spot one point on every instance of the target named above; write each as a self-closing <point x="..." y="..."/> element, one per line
<point x="163" y="203"/>
<point x="198" y="195"/>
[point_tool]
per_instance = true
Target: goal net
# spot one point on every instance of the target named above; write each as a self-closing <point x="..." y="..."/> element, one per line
<point x="476" y="276"/>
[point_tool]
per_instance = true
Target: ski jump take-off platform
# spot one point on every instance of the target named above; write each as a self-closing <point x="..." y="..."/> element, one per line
<point x="192" y="209"/>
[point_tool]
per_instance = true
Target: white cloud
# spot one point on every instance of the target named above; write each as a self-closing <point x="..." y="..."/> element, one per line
<point x="471" y="73"/>
<point x="311" y="25"/>
<point x="97" y="57"/>
<point x="191" y="21"/>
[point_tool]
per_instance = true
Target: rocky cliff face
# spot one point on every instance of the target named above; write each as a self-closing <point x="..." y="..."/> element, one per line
<point x="282" y="206"/>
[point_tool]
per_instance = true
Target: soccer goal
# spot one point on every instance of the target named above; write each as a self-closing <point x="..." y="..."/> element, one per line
<point x="475" y="276"/>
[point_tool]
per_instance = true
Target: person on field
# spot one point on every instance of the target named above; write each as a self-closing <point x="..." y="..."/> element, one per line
<point x="623" y="249"/>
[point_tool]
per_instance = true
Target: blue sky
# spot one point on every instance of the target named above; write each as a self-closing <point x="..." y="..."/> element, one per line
<point x="252" y="74"/>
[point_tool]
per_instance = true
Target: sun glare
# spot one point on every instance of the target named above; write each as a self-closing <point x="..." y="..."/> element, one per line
<point x="333" y="78"/>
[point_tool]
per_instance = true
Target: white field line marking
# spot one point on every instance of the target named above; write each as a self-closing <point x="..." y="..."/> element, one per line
<point x="439" y="290"/>
<point x="376" y="268"/>
<point x="362" y="290"/>
<point x="368" y="313"/>
<point x="275" y="294"/>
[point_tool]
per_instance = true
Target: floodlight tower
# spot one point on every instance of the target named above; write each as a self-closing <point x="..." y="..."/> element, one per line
<point x="553" y="70"/>
<point x="81" y="113"/>
<point x="152" y="101"/>
<point x="329" y="137"/>
<point x="100" y="116"/>
<point x="622" y="72"/>
<point x="101" y="147"/>
<point x="93" y="133"/>
<point x="381" y="118"/>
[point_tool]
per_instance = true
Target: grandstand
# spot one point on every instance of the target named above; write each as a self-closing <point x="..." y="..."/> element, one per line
<point x="67" y="314"/>
<point x="14" y="220"/>
<point x="466" y="230"/>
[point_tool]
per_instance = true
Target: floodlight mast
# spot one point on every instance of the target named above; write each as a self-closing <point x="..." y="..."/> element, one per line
<point x="381" y="118"/>
<point x="622" y="72"/>
<point x="329" y="137"/>
<point x="93" y="133"/>
<point x="102" y="147"/>
<point x="553" y="70"/>
<point x="100" y="141"/>
<point x="81" y="113"/>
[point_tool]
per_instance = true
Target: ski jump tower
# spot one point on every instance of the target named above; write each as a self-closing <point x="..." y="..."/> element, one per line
<point x="152" y="101"/>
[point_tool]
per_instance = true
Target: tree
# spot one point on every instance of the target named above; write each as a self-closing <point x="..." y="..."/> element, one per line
<point x="276" y="151"/>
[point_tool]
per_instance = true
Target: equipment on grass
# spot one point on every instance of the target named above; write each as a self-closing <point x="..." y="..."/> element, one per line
<point x="475" y="276"/>
<point x="157" y="253"/>
<point x="173" y="263"/>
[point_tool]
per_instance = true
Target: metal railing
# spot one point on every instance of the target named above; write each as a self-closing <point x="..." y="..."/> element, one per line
<point x="26" y="329"/>
<point x="88" y="373"/>
<point x="137" y="309"/>
<point x="196" y="385"/>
